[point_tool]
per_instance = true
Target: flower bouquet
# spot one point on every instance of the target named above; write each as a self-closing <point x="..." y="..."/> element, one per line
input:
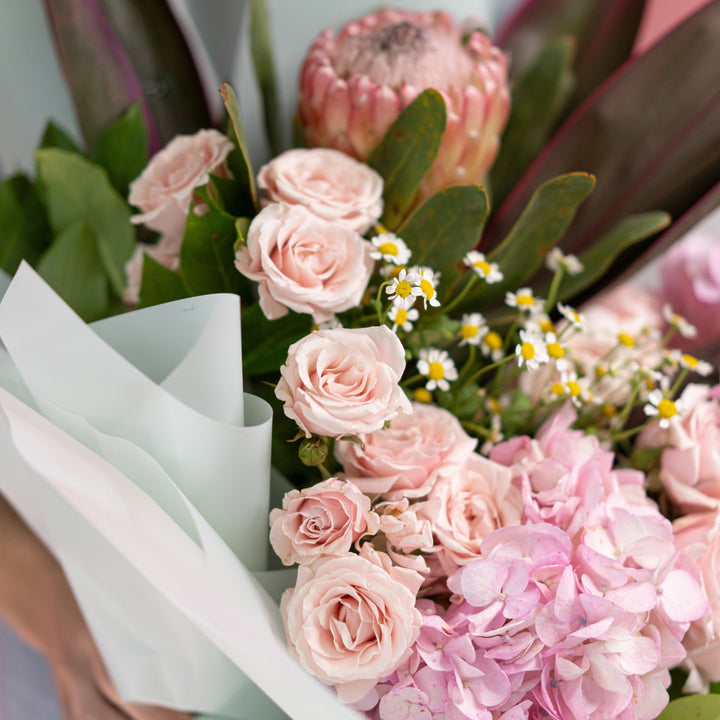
<point x="504" y="475"/>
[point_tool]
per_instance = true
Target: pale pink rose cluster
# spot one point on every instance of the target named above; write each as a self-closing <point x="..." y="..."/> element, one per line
<point x="164" y="193"/>
<point x="305" y="247"/>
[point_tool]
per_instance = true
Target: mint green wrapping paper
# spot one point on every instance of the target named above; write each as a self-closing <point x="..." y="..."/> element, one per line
<point x="130" y="448"/>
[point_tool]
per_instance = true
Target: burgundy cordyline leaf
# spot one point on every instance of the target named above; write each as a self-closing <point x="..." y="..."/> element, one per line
<point x="650" y="134"/>
<point x="116" y="53"/>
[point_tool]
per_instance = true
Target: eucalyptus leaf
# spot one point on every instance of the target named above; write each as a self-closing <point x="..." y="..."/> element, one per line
<point x="692" y="707"/>
<point x="74" y="269"/>
<point x="55" y="136"/>
<point x="122" y="149"/>
<point x="446" y="226"/>
<point x="159" y="284"/>
<point x="24" y="230"/>
<point x="207" y="256"/>
<point x="407" y="151"/>
<point x="76" y="190"/>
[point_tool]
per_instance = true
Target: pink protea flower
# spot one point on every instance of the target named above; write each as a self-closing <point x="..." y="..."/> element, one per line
<point x="354" y="84"/>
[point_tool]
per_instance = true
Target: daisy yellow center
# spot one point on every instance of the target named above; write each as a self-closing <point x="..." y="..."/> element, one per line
<point x="468" y="331"/>
<point x="557" y="389"/>
<point x="600" y="371"/>
<point x="494" y="405"/>
<point x="573" y="388"/>
<point x="626" y="340"/>
<point x="437" y="371"/>
<point x="690" y="361"/>
<point x="525" y="300"/>
<point x="427" y="288"/>
<point x="527" y="350"/>
<point x="403" y="289"/>
<point x="401" y="317"/>
<point x="493" y="340"/>
<point x="547" y="326"/>
<point x="388" y="248"/>
<point x="608" y="410"/>
<point x="555" y="351"/>
<point x="666" y="409"/>
<point x="422" y="395"/>
<point x="482" y="266"/>
<point x="396" y="270"/>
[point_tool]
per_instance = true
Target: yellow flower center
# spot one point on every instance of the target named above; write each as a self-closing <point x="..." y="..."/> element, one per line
<point x="468" y="331"/>
<point x="555" y="350"/>
<point x="547" y="326"/>
<point x="573" y="388"/>
<point x="575" y="316"/>
<point x="527" y="350"/>
<point x="401" y="317"/>
<point x="690" y="361"/>
<point x="388" y="248"/>
<point x="493" y="340"/>
<point x="626" y="340"/>
<point x="666" y="409"/>
<point x="437" y="371"/>
<point x="396" y="270"/>
<point x="427" y="288"/>
<point x="525" y="300"/>
<point x="403" y="289"/>
<point x="482" y="266"/>
<point x="557" y="389"/>
<point x="600" y="371"/>
<point x="494" y="406"/>
<point x="608" y="410"/>
<point x="422" y="395"/>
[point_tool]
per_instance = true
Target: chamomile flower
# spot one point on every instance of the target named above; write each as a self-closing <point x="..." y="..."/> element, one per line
<point x="690" y="362"/>
<point x="531" y="351"/>
<point x="686" y="329"/>
<point x="662" y="407"/>
<point x="557" y="259"/>
<point x="390" y="248"/>
<point x="555" y="350"/>
<point x="491" y="345"/>
<point x="332" y="324"/>
<point x="487" y="271"/>
<point x="576" y="319"/>
<point x="404" y="289"/>
<point x="472" y="329"/>
<point x="402" y="318"/>
<point x="524" y="300"/>
<point x="427" y="283"/>
<point x="438" y="367"/>
<point x="574" y="387"/>
<point x="495" y="435"/>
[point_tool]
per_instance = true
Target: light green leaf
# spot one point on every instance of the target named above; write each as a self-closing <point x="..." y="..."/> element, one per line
<point x="55" y="136"/>
<point x="76" y="191"/>
<point x="692" y="707"/>
<point x="160" y="285"/>
<point x="74" y="269"/>
<point x="407" y="152"/>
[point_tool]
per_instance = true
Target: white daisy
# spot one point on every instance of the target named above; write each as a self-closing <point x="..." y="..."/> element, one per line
<point x="686" y="329"/>
<point x="690" y="362"/>
<point x="531" y="351"/>
<point x="390" y="248"/>
<point x="427" y="284"/>
<point x="662" y="407"/>
<point x="494" y="437"/>
<point x="491" y="346"/>
<point x="438" y="367"/>
<point x="403" y="318"/>
<point x="488" y="271"/>
<point x="557" y="259"/>
<point x="576" y="319"/>
<point x="403" y="289"/>
<point x="472" y="329"/>
<point x="524" y="300"/>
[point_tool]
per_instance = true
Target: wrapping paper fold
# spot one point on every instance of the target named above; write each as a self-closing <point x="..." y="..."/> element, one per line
<point x="131" y="449"/>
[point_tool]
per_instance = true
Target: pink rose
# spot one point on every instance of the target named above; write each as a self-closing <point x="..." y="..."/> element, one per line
<point x="304" y="263"/>
<point x="690" y="465"/>
<point x="691" y="283"/>
<point x="325" y="519"/>
<point x="698" y="535"/>
<point x="406" y="459"/>
<point x="344" y="381"/>
<point x="405" y="532"/>
<point x="351" y="620"/>
<point x="329" y="183"/>
<point x="166" y="252"/>
<point x="476" y="500"/>
<point x="165" y="188"/>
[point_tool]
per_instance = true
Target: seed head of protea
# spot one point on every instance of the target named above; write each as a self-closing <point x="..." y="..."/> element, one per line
<point x="354" y="84"/>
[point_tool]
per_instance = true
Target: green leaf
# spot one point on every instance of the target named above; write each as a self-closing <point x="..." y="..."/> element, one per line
<point x="242" y="225"/>
<point x="537" y="101"/>
<point x="692" y="707"/>
<point x="122" y="149"/>
<point x="239" y="160"/>
<point x="262" y="55"/>
<point x="74" y="269"/>
<point x="160" y="285"/>
<point x="24" y="230"/>
<point x="446" y="226"/>
<point x="266" y="342"/>
<point x="541" y="226"/>
<point x="599" y="258"/>
<point x="55" y="136"/>
<point x="77" y="190"/>
<point x="407" y="152"/>
<point x="230" y="196"/>
<point x="207" y="257"/>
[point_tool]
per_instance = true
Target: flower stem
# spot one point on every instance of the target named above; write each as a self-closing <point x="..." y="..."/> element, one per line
<point x="461" y="295"/>
<point x="554" y="288"/>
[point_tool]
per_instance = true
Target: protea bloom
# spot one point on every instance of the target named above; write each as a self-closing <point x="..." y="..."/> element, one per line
<point x="354" y="84"/>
